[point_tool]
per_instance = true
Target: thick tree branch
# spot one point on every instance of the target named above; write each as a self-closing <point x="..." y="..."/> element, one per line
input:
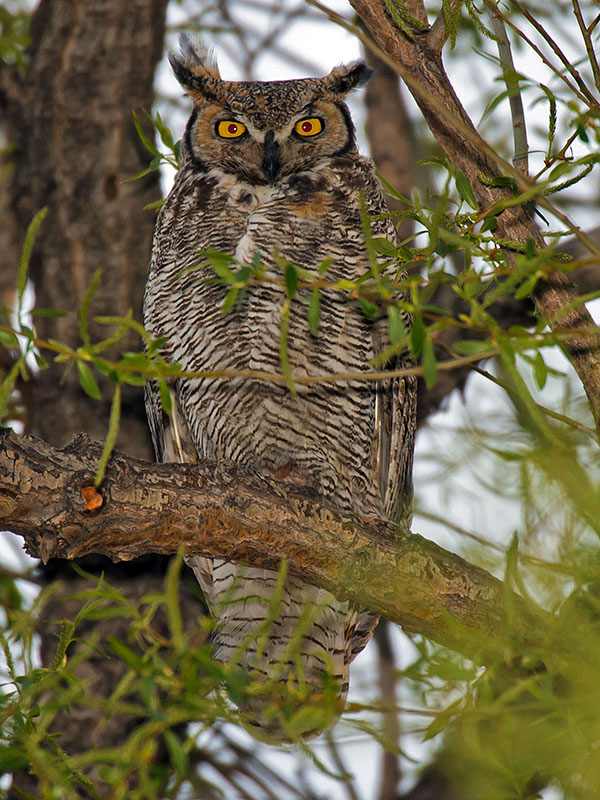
<point x="418" y="60"/>
<point x="226" y="511"/>
<point x="391" y="136"/>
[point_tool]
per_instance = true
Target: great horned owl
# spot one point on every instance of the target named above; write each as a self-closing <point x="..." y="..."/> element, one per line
<point x="272" y="169"/>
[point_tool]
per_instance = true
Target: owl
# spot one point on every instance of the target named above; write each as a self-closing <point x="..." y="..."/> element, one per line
<point x="270" y="175"/>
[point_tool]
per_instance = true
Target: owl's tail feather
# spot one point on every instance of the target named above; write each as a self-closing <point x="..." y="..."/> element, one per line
<point x="293" y="643"/>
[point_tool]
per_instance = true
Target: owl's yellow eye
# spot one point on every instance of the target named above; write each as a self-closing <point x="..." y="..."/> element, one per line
<point x="229" y="129"/>
<point x="309" y="127"/>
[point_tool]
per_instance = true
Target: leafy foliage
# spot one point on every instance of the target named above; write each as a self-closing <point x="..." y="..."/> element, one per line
<point x="506" y="726"/>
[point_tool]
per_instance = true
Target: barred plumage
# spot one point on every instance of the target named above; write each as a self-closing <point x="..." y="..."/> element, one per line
<point x="285" y="193"/>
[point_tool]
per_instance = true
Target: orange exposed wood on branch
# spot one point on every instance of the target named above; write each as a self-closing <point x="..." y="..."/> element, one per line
<point x="222" y="510"/>
<point x="92" y="497"/>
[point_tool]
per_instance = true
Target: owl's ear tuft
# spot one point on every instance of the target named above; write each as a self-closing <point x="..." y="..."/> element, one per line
<point x="196" y="56"/>
<point x="343" y="79"/>
<point x="195" y="68"/>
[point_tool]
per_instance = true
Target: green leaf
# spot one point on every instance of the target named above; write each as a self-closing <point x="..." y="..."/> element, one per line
<point x="489" y="223"/>
<point x="582" y="133"/>
<point x="218" y="262"/>
<point x="504" y="180"/>
<point x="138" y="175"/>
<point x="441" y="721"/>
<point x="155" y="206"/>
<point x="463" y="187"/>
<point x="172" y="601"/>
<point x="8" y="384"/>
<point x="166" y="398"/>
<point x="471" y="347"/>
<point x="396" y="326"/>
<point x="308" y="718"/>
<point x="48" y="312"/>
<point x="526" y="288"/>
<point x="84" y="306"/>
<point x="324" y="266"/>
<point x="242" y="277"/>
<point x="540" y="371"/>
<point x="177" y="754"/>
<point x="155" y="345"/>
<point x="441" y="248"/>
<point x="111" y="436"/>
<point x="164" y="131"/>
<point x="561" y="169"/>
<point x="9" y="339"/>
<point x="32" y="230"/>
<point x="429" y="362"/>
<point x="150" y="146"/>
<point x="449" y="670"/>
<point x="87" y="380"/>
<point x="12" y="758"/>
<point x="417" y="335"/>
<point x="384" y="247"/>
<point x="66" y="636"/>
<point x="126" y="654"/>
<point x="392" y="192"/>
<point x="229" y="300"/>
<point x="368" y="308"/>
<point x="291" y="280"/>
<point x="135" y="360"/>
<point x="40" y="360"/>
<point x="314" y="310"/>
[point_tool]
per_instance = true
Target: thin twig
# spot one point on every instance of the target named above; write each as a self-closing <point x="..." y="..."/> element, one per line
<point x="347" y="778"/>
<point x="390" y="772"/>
<point x="16" y="575"/>
<point x="587" y="38"/>
<point x="513" y="89"/>
<point x="559" y="73"/>
<point x="459" y="124"/>
<point x="573" y="423"/>
<point x="557" y="51"/>
<point x="437" y="32"/>
<point x="499" y="548"/>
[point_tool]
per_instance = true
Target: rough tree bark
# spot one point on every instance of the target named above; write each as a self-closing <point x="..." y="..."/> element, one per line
<point x="70" y="121"/>
<point x="47" y="496"/>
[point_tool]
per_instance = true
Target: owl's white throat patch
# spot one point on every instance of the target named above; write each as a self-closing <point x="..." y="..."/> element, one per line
<point x="254" y="199"/>
<point x="241" y="192"/>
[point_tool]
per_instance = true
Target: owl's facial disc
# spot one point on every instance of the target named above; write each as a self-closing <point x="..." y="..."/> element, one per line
<point x="263" y="147"/>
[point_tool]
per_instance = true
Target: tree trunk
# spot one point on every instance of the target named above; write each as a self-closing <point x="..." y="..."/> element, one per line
<point x="70" y="121"/>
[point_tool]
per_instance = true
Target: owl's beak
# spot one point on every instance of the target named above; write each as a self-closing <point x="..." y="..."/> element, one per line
<point x="270" y="163"/>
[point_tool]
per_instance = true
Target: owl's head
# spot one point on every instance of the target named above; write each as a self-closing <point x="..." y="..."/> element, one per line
<point x="264" y="131"/>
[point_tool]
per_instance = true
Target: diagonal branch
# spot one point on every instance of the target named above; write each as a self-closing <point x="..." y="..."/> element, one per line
<point x="420" y="65"/>
<point x="222" y="510"/>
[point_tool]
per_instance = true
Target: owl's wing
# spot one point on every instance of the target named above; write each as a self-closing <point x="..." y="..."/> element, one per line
<point x="172" y="442"/>
<point x="394" y="435"/>
<point x="155" y="413"/>
<point x="395" y="409"/>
